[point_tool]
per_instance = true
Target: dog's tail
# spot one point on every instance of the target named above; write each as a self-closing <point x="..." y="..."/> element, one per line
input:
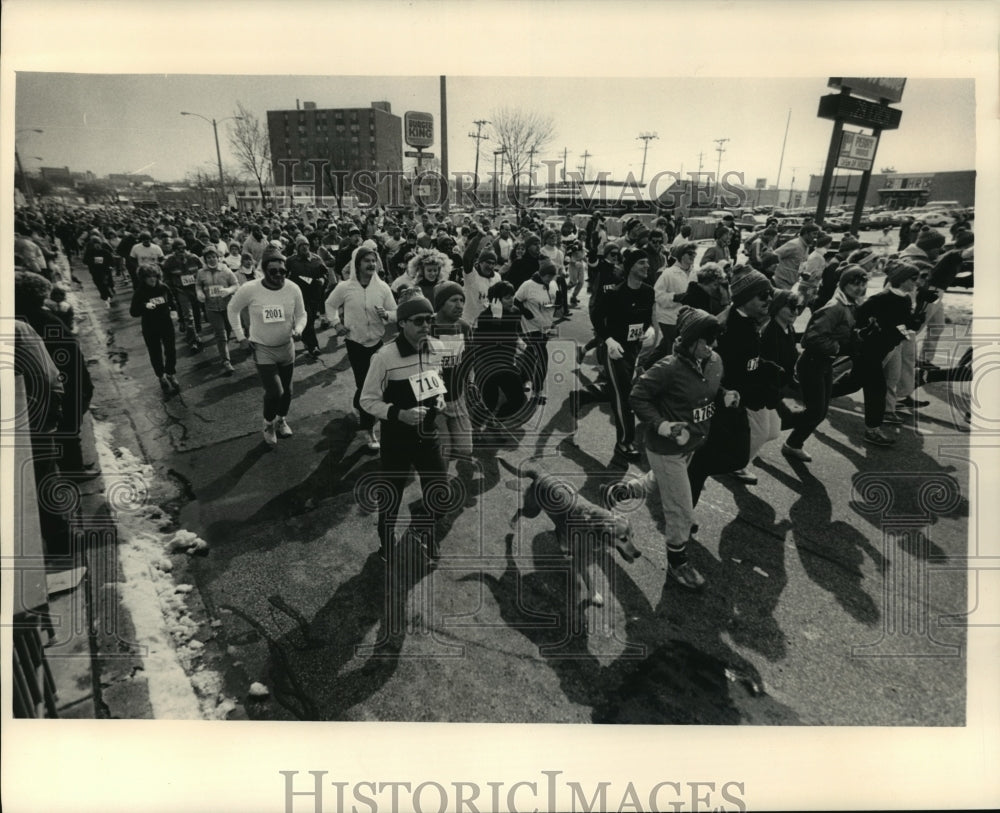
<point x="530" y="471"/>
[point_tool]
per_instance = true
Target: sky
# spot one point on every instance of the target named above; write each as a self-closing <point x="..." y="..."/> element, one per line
<point x="131" y="123"/>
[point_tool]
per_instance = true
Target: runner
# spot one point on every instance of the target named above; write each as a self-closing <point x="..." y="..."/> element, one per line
<point x="151" y="302"/>
<point x="277" y="318"/>
<point x="180" y="270"/>
<point x="368" y="304"/>
<point x="214" y="285"/>
<point x="404" y="390"/>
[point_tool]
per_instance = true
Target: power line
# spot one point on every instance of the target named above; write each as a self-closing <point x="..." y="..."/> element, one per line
<point x="718" y="169"/>
<point x="645" y="138"/>
<point x="480" y="123"/>
<point x="585" y="156"/>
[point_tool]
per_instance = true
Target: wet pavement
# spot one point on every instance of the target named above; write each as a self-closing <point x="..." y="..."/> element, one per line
<point x="833" y="597"/>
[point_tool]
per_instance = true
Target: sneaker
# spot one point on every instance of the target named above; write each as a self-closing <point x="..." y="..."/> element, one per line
<point x="165" y="385"/>
<point x="893" y="418"/>
<point x="796" y="454"/>
<point x="911" y="403"/>
<point x="227" y="368"/>
<point x="745" y="476"/>
<point x="627" y="450"/>
<point x="315" y="352"/>
<point x="270" y="438"/>
<point x="373" y="443"/>
<point x="281" y="428"/>
<point x="175" y="385"/>
<point x="686" y="576"/>
<point x="877" y="438"/>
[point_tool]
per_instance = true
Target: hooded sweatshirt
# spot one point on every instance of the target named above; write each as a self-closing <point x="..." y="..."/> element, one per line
<point x="364" y="325"/>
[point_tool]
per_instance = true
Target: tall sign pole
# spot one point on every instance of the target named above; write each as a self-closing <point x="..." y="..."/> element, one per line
<point x="444" y="143"/>
<point x="855" y="151"/>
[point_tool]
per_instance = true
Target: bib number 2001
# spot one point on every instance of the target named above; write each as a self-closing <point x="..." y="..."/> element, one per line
<point x="273" y="315"/>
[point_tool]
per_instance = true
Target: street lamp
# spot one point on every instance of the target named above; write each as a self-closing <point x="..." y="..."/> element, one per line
<point x="215" y="130"/>
<point x="26" y="187"/>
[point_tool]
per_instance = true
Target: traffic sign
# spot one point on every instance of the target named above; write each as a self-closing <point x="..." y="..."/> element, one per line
<point x="418" y="154"/>
<point x="418" y="128"/>
<point x="858" y="111"/>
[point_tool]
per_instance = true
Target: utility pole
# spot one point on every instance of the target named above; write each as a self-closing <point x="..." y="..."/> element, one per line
<point x="645" y="138"/>
<point x="585" y="156"/>
<point x="791" y="190"/>
<point x="444" y="144"/>
<point x="781" y="161"/>
<point x="480" y="123"/>
<point x="565" y="150"/>
<point x="718" y="169"/>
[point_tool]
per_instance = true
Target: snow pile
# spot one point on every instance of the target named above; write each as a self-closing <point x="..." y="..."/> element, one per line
<point x="180" y="686"/>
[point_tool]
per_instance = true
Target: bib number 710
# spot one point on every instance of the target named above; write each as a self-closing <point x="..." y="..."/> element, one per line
<point x="426" y="384"/>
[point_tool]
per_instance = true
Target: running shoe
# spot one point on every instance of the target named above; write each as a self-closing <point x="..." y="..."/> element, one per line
<point x="745" y="476"/>
<point x="912" y="403"/>
<point x="796" y="454"/>
<point x="227" y="368"/>
<point x="281" y="428"/>
<point x="373" y="443"/>
<point x="627" y="450"/>
<point x="175" y="385"/>
<point x="877" y="438"/>
<point x="893" y="418"/>
<point x="270" y="438"/>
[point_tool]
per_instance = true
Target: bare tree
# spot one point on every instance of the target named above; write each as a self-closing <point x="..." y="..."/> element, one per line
<point x="521" y="134"/>
<point x="248" y="138"/>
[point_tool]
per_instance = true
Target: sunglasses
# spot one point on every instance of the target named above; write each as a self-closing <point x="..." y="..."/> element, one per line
<point x="420" y="321"/>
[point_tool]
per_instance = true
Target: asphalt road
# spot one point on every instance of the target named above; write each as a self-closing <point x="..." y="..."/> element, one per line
<point x="835" y="590"/>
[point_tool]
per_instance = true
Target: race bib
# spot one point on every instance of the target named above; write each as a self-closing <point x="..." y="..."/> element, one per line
<point x="98" y="261"/>
<point x="215" y="290"/>
<point x="306" y="280"/>
<point x="753" y="364"/>
<point x="157" y="300"/>
<point x="703" y="413"/>
<point x="426" y="384"/>
<point x="187" y="279"/>
<point x="635" y="332"/>
<point x="272" y="314"/>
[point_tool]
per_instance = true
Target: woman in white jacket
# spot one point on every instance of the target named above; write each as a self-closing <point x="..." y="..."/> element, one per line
<point x="368" y="305"/>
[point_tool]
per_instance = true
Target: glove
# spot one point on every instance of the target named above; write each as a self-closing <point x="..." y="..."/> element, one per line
<point x="674" y="429"/>
<point x="615" y="350"/>
<point x="731" y="398"/>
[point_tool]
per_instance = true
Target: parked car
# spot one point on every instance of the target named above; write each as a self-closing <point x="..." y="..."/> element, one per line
<point x="935" y="219"/>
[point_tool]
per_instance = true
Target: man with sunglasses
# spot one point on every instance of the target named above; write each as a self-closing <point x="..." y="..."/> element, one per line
<point x="277" y="319"/>
<point x="405" y="390"/>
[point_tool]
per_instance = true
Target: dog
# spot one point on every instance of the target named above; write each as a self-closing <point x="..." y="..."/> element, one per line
<point x="577" y="522"/>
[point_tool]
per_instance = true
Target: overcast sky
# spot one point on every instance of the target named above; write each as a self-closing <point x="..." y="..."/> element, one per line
<point x="132" y="123"/>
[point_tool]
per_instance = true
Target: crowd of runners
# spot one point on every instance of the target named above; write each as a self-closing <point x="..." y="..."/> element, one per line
<point x="446" y="322"/>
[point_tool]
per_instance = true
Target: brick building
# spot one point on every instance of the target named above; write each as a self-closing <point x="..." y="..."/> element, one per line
<point x="323" y="150"/>
<point x="898" y="190"/>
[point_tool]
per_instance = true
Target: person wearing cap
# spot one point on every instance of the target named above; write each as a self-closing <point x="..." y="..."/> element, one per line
<point x="346" y="250"/>
<point x="829" y="334"/>
<point x="496" y="336"/>
<point x="446" y="245"/>
<point x="455" y="351"/>
<point x="607" y="275"/>
<point x="476" y="286"/>
<point x="670" y="289"/>
<point x="675" y="400"/>
<point x="400" y="260"/>
<point x="778" y="344"/>
<point x="759" y="245"/>
<point x="632" y="233"/>
<point x="886" y="319"/>
<point x="623" y="320"/>
<point x="708" y="289"/>
<point x="718" y="252"/>
<point x="504" y="243"/>
<point x="368" y="305"/>
<point x="849" y="252"/>
<point x="755" y="379"/>
<point x="535" y="301"/>
<point x="404" y="390"/>
<point x="214" y="286"/>
<point x="309" y="272"/>
<point x="99" y="258"/>
<point x="233" y="257"/>
<point x="811" y="275"/>
<point x="180" y="272"/>
<point x="792" y="255"/>
<point x="277" y="318"/>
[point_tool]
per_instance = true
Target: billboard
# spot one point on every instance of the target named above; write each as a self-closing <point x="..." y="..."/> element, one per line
<point x="418" y="129"/>
<point x="875" y="87"/>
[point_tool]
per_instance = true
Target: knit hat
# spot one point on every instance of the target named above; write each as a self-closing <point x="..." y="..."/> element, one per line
<point x="746" y="286"/>
<point x="271" y="252"/>
<point x="532" y="238"/>
<point x="848" y="243"/>
<point x="631" y="257"/>
<point x="210" y="249"/>
<point x="694" y="324"/>
<point x="301" y="240"/>
<point x="851" y="274"/>
<point x="488" y="255"/>
<point x="444" y="292"/>
<point x="930" y="240"/>
<point x="681" y="249"/>
<point x="898" y="273"/>
<point x="411" y="307"/>
<point x="546" y="266"/>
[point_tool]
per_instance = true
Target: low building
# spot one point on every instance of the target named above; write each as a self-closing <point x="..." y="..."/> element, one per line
<point x="897" y="190"/>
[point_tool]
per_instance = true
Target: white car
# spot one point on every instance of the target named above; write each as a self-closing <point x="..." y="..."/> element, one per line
<point x="934" y="218"/>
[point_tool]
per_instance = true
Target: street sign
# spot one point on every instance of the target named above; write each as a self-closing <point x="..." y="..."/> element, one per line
<point x="418" y="128"/>
<point x="857" y="151"/>
<point x="416" y="154"/>
<point x="858" y="111"/>
<point x="876" y="87"/>
<point x="761" y="183"/>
